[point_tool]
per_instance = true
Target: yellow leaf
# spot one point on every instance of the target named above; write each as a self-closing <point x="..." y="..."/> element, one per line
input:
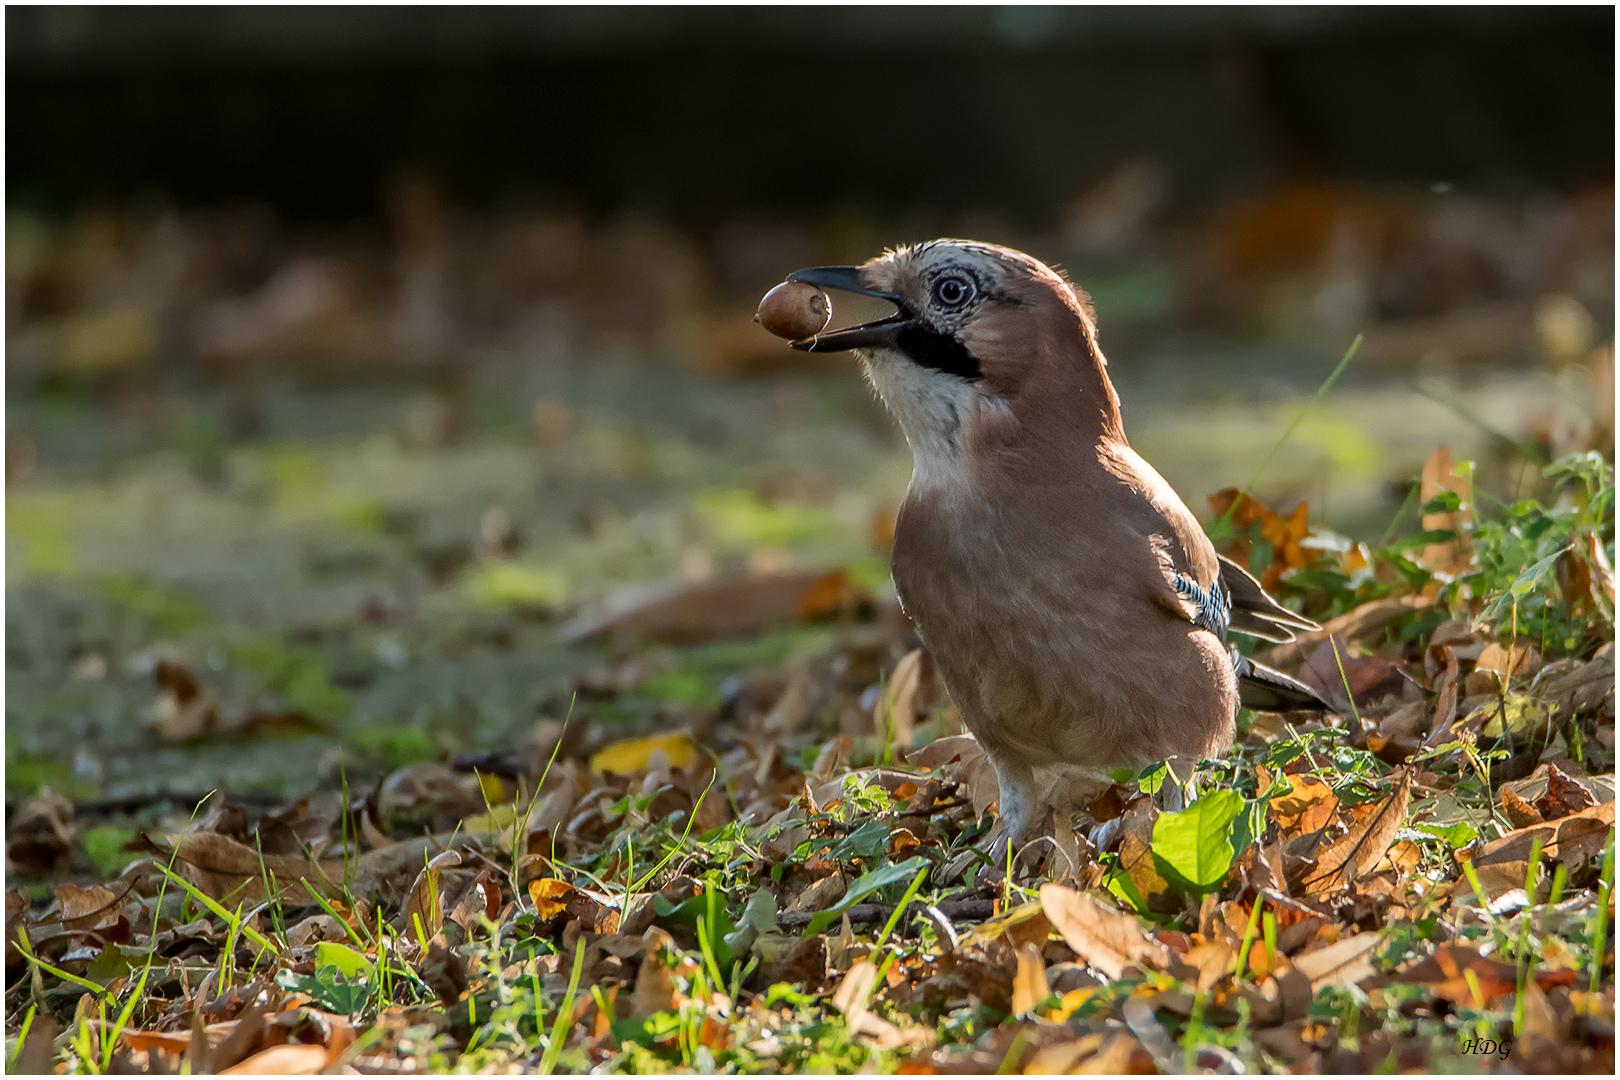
<point x="1030" y="986"/>
<point x="508" y="585"/>
<point x="633" y="755"/>
<point x="498" y="818"/>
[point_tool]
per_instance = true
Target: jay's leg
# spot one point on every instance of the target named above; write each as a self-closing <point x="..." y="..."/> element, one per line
<point x="1020" y="810"/>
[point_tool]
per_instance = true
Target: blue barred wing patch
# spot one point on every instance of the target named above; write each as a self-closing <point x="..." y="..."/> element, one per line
<point x="1211" y="607"/>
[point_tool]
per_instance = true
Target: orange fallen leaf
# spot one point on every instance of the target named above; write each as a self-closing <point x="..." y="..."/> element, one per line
<point x="290" y="1059"/>
<point x="1305" y="809"/>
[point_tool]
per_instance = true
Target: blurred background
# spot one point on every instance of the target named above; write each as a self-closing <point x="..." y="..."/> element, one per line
<point x="353" y="350"/>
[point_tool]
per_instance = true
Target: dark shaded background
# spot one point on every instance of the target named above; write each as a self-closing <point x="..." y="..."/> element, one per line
<point x="702" y="111"/>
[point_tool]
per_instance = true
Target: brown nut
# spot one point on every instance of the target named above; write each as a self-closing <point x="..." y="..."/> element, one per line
<point x="795" y="311"/>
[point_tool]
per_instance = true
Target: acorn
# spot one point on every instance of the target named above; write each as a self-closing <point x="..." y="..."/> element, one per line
<point x="795" y="311"/>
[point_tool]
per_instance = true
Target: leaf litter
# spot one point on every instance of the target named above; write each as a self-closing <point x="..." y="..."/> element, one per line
<point x="792" y="878"/>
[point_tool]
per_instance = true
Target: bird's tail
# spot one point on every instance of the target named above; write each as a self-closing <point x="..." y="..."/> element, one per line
<point x="1267" y="689"/>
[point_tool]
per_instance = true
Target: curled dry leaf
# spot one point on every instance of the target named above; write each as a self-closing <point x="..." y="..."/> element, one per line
<point x="821" y="894"/>
<point x="1502" y="864"/>
<point x="183" y="709"/>
<point x="1026" y="924"/>
<point x="16" y="914"/>
<point x="1564" y="796"/>
<point x="1519" y="813"/>
<point x="424" y="908"/>
<point x="226" y="870"/>
<point x="1107" y="939"/>
<point x="556" y="899"/>
<point x="41" y="833"/>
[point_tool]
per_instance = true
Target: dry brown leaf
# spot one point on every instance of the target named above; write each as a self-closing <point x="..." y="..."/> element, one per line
<point x="1107" y="939"/>
<point x="424" y="908"/>
<point x="1367" y="842"/>
<point x="290" y="1059"/>
<point x="1213" y="959"/>
<point x="1443" y="660"/>
<point x="1502" y="864"/>
<point x="1283" y="532"/>
<point x="1563" y="797"/>
<point x="556" y="899"/>
<point x="38" y="1051"/>
<point x="1518" y="661"/>
<point x="1365" y="623"/>
<point x="1343" y="963"/>
<point x="17" y="907"/>
<point x="87" y="908"/>
<point x="1030" y="987"/>
<point x="1445" y="972"/>
<point x="1520" y="814"/>
<point x="1061" y="1059"/>
<point x="1023" y="925"/>
<point x="41" y="833"/>
<point x="1439" y="477"/>
<point x="655" y="984"/>
<point x="169" y="1042"/>
<point x="712" y="610"/>
<point x="821" y="894"/>
<point x="896" y="718"/>
<point x="1136" y="857"/>
<point x="1123" y="1053"/>
<point x="965" y="762"/>
<point x="1370" y="679"/>
<point x="226" y="870"/>
<point x="245" y="1038"/>
<point x="183" y="709"/>
<point x="855" y="990"/>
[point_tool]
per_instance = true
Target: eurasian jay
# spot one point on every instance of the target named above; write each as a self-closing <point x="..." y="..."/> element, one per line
<point x="1071" y="601"/>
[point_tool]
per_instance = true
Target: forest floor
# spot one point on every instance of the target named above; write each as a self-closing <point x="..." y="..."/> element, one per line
<point x="344" y="731"/>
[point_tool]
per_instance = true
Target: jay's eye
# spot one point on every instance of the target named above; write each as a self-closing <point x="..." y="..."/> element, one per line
<point x="953" y="291"/>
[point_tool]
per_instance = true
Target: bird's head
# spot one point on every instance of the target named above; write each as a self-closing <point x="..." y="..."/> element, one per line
<point x="978" y="329"/>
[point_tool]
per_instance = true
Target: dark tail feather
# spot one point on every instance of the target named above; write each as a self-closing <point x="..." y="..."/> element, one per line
<point x="1269" y="690"/>
<point x="1255" y="613"/>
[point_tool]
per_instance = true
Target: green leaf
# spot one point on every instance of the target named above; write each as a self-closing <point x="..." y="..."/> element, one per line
<point x="1195" y="847"/>
<point x="1328" y="580"/>
<point x="1445" y="502"/>
<point x="1423" y="539"/>
<point x="1458" y="834"/>
<point x="1152" y="778"/>
<point x="865" y="886"/>
<point x="350" y="962"/>
<point x="868" y="841"/>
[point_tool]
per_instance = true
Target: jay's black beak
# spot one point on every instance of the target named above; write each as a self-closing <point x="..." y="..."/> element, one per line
<point x="848" y="279"/>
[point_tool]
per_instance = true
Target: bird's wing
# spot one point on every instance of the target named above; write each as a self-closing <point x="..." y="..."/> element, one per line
<point x="1260" y="687"/>
<point x="1253" y="612"/>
